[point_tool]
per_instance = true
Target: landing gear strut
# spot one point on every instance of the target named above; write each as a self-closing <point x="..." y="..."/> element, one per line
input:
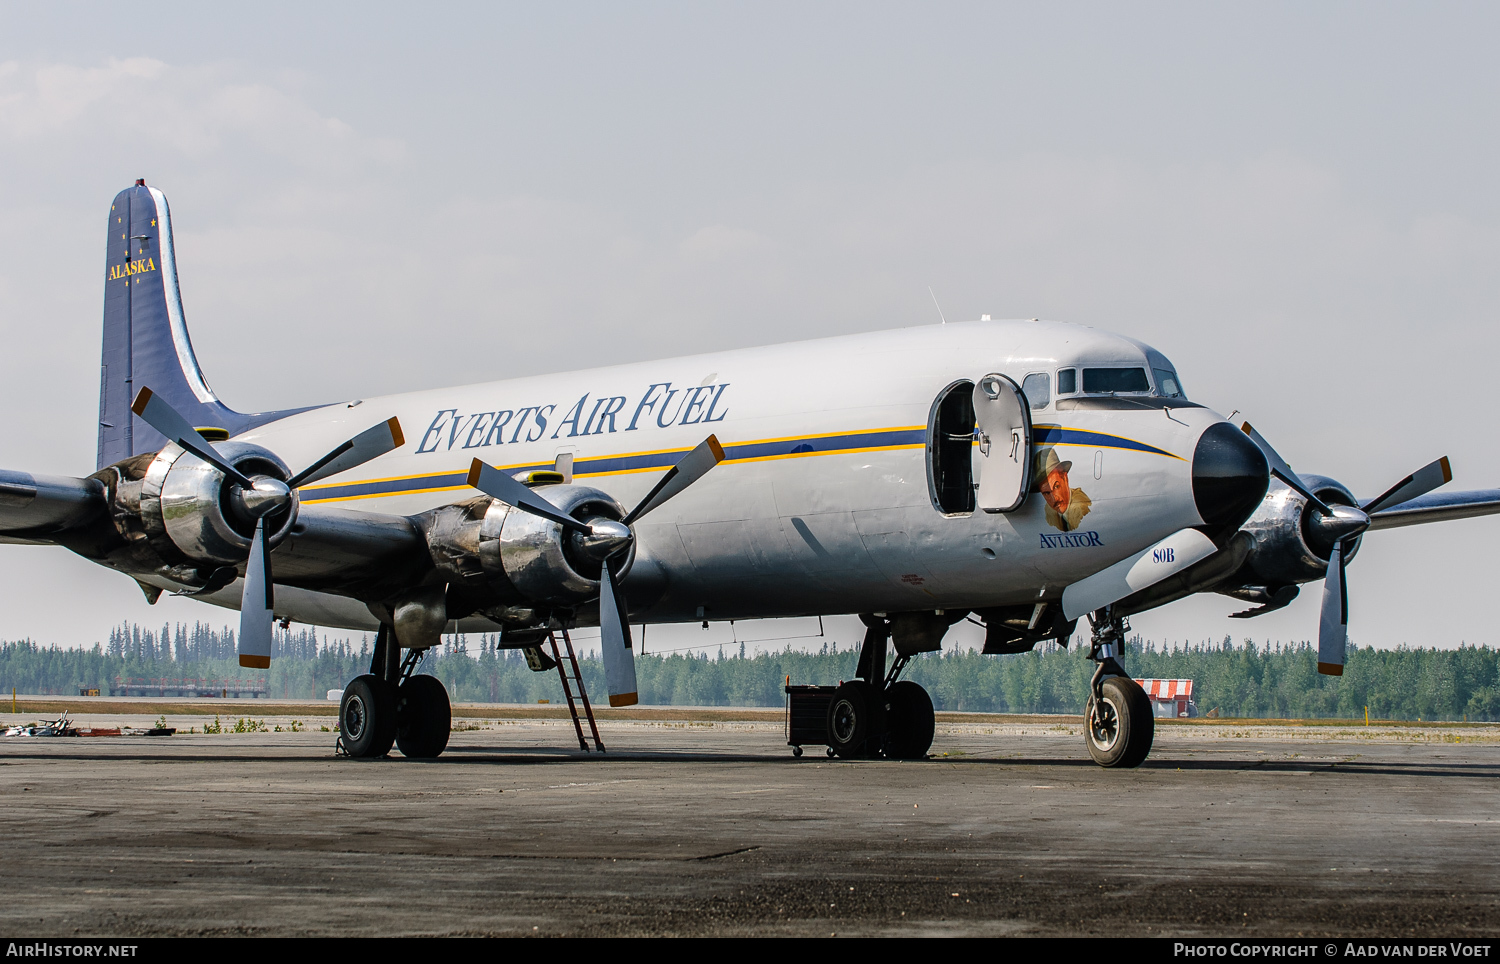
<point x="875" y="714"/>
<point x="390" y="705"/>
<point x="1118" y="723"/>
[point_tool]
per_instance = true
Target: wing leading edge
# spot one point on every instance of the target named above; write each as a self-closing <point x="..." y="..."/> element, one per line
<point x="330" y="548"/>
<point x="1439" y="507"/>
<point x="33" y="508"/>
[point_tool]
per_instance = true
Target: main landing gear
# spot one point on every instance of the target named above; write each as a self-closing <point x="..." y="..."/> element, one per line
<point x="1118" y="723"/>
<point x="392" y="706"/>
<point x="877" y="715"/>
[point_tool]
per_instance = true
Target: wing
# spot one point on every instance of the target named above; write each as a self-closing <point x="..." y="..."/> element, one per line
<point x="34" y="508"/>
<point x="329" y="549"/>
<point x="351" y="552"/>
<point x="1439" y="507"/>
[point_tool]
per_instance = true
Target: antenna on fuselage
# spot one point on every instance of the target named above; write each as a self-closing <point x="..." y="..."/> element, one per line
<point x="936" y="305"/>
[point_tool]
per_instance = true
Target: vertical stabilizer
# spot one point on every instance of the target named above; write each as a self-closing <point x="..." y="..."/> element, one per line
<point x="146" y="340"/>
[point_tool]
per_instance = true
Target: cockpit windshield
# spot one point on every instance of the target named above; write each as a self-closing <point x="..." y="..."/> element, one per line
<point x="1120" y="380"/>
<point x="1115" y="381"/>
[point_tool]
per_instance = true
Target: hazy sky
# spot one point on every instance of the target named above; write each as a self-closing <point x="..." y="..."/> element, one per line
<point x="1298" y="203"/>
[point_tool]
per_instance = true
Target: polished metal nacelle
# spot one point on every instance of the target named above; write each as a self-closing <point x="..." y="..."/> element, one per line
<point x="515" y="563"/>
<point x="189" y="509"/>
<point x="1288" y="544"/>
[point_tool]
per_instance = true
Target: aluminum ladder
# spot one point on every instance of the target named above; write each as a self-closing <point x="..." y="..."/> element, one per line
<point x="567" y="671"/>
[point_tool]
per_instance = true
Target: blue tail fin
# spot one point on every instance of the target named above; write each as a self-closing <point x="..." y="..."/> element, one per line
<point x="146" y="340"/>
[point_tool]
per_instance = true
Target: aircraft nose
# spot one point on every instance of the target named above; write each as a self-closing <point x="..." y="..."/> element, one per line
<point x="1230" y="475"/>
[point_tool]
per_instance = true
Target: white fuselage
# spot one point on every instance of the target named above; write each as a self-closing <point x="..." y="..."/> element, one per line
<point x="825" y="502"/>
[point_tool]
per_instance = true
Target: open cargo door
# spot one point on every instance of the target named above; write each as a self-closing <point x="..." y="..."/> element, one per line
<point x="1004" y="421"/>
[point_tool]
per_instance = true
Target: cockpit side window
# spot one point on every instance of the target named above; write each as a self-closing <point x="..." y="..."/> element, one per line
<point x="1167" y="383"/>
<point x="1115" y="381"/>
<point x="1067" y="381"/>
<point x="1038" y="390"/>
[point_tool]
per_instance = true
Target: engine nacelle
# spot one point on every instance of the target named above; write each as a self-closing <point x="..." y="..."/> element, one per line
<point x="1286" y="548"/>
<point x="190" y="511"/>
<point x="507" y="564"/>
<point x="544" y="563"/>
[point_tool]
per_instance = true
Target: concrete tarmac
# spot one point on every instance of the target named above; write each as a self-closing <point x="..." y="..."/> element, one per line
<point x="694" y="828"/>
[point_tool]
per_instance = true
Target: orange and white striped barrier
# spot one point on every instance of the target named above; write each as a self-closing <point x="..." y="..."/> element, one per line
<point x="1170" y="697"/>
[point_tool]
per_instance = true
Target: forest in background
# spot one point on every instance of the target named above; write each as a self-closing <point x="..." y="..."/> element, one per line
<point x="1242" y="679"/>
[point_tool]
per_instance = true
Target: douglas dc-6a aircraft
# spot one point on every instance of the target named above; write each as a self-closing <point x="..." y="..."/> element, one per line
<point x="1025" y="473"/>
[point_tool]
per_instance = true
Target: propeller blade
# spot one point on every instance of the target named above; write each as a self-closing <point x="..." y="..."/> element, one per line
<point x="369" y="444"/>
<point x="1333" y="626"/>
<point x="1283" y="471"/>
<point x="614" y="638"/>
<point x="165" y="419"/>
<point x="1419" y="483"/>
<point x="256" y="603"/>
<point x="690" y="469"/>
<point x="499" y="485"/>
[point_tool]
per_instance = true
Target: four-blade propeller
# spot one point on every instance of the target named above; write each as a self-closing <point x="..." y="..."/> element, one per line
<point x="261" y="497"/>
<point x="606" y="541"/>
<point x="1341" y="525"/>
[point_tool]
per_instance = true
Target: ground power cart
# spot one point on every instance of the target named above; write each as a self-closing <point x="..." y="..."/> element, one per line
<point x="807" y="716"/>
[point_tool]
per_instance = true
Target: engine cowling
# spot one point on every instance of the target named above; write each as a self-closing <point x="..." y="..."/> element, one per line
<point x="189" y="510"/>
<point x="1279" y="547"/>
<point x="508" y="564"/>
<point x="1287" y="546"/>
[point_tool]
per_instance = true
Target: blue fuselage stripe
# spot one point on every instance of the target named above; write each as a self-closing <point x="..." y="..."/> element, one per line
<point x="749" y="451"/>
<point x="1053" y="435"/>
<point x="827" y="443"/>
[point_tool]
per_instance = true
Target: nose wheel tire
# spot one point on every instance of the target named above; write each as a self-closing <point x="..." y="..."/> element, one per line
<point x="1119" y="729"/>
<point x="424" y="718"/>
<point x="909" y="721"/>
<point x="853" y="719"/>
<point x="367" y="717"/>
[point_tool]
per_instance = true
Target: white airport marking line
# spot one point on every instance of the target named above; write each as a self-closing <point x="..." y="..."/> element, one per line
<point x="570" y="786"/>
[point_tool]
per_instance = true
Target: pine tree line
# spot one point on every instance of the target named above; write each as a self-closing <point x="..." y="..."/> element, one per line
<point x="201" y="642"/>
<point x="1245" y="680"/>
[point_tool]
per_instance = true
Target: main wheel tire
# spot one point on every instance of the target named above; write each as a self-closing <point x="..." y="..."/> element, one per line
<point x="367" y="717"/>
<point x="909" y="721"/>
<point x="855" y="720"/>
<point x="424" y="718"/>
<point x="1120" y="731"/>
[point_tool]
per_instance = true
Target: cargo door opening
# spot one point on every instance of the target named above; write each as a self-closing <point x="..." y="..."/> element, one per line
<point x="950" y="450"/>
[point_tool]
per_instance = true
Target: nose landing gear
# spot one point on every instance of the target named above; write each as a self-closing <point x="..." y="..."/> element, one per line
<point x="1118" y="723"/>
